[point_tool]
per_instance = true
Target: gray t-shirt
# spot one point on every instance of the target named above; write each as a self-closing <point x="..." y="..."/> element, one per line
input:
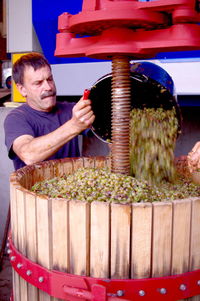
<point x="24" y="120"/>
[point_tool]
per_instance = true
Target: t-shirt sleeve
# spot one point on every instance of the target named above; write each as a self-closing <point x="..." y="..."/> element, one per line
<point x="16" y="125"/>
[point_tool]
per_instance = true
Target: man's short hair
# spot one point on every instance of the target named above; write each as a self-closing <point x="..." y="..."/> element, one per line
<point x="33" y="59"/>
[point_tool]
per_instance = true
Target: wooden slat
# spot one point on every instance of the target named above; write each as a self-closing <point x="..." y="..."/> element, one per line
<point x="60" y="235"/>
<point x="13" y="211"/>
<point x="101" y="162"/>
<point x="67" y="166"/>
<point x="79" y="237"/>
<point x="21" y="228"/>
<point x="16" y="285"/>
<point x="59" y="168"/>
<point x="141" y="240"/>
<point x="195" y="237"/>
<point x="108" y="162"/>
<point x="48" y="170"/>
<point x="14" y="230"/>
<point x="100" y="239"/>
<point x="162" y="236"/>
<point x="181" y="236"/>
<point x="120" y="240"/>
<point x="78" y="163"/>
<point x="38" y="173"/>
<point x="44" y="235"/>
<point x="29" y="177"/>
<point x="31" y="238"/>
<point x="21" y="178"/>
<point x="89" y="162"/>
<point x="195" y="240"/>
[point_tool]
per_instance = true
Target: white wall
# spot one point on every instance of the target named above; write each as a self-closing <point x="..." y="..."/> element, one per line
<point x="72" y="79"/>
<point x="21" y="36"/>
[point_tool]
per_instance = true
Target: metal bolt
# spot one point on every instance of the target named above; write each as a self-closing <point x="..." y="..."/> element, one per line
<point x="163" y="291"/>
<point x="198" y="282"/>
<point x="41" y="279"/>
<point x="111" y="295"/>
<point x="28" y="273"/>
<point x="120" y="293"/>
<point x="7" y="245"/>
<point x="12" y="258"/>
<point x="9" y="251"/>
<point x="142" y="293"/>
<point x="107" y="280"/>
<point x="182" y="287"/>
<point x="19" y="265"/>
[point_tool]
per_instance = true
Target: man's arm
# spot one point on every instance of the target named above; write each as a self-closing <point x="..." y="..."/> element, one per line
<point x="32" y="150"/>
<point x="194" y="157"/>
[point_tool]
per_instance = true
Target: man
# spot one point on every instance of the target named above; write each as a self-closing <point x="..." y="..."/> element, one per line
<point x="43" y="129"/>
<point x="193" y="157"/>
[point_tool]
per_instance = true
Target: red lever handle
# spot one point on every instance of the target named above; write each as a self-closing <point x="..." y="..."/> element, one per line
<point x="86" y="94"/>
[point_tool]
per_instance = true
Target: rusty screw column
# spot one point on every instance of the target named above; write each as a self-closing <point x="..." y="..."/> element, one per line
<point x="121" y="105"/>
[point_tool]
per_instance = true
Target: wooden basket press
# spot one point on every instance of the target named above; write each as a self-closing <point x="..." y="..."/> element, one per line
<point x="139" y="240"/>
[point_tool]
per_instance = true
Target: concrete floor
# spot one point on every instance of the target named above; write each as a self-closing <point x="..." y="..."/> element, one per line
<point x="5" y="280"/>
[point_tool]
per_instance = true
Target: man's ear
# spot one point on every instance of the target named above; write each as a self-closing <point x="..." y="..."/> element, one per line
<point x="21" y="90"/>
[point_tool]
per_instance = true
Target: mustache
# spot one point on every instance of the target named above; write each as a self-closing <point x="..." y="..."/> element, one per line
<point x="47" y="94"/>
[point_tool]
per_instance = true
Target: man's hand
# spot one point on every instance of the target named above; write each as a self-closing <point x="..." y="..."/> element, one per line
<point x="82" y="114"/>
<point x="194" y="158"/>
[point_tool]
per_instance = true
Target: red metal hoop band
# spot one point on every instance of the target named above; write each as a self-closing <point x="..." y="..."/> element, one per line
<point x="75" y="288"/>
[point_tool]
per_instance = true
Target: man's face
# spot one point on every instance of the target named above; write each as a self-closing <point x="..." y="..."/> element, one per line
<point x="39" y="88"/>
